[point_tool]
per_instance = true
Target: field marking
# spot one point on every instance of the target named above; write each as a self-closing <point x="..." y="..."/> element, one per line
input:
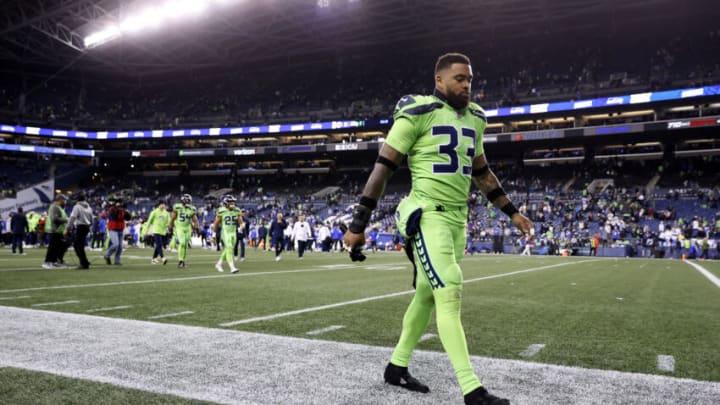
<point x="380" y="297"/>
<point x="48" y="304"/>
<point x="14" y="298"/>
<point x="532" y="350"/>
<point x="665" y="363"/>
<point x="171" y="315"/>
<point x="90" y="311"/>
<point x="705" y="273"/>
<point x="228" y="366"/>
<point x="427" y="336"/>
<point x="325" y="330"/>
<point x="161" y="280"/>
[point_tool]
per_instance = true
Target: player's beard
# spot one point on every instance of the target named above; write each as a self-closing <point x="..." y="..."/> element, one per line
<point x="458" y="101"/>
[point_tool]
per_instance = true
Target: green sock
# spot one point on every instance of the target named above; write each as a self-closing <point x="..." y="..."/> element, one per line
<point x="452" y="336"/>
<point x="415" y="323"/>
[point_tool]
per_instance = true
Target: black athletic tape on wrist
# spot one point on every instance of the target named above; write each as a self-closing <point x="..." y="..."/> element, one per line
<point x="509" y="209"/>
<point x="360" y="218"/>
<point x="387" y="162"/>
<point x="368" y="202"/>
<point x="495" y="194"/>
<point x="480" y="171"/>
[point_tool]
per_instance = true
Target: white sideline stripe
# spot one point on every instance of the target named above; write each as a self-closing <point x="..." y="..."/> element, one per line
<point x="108" y="308"/>
<point x="162" y="280"/>
<point x="666" y="363"/>
<point x="325" y="330"/>
<point x="532" y="350"/>
<point x="380" y="297"/>
<point x="171" y="315"/>
<point x="234" y="367"/>
<point x="705" y="273"/>
<point x="47" y="304"/>
<point x="427" y="336"/>
<point x="14" y="298"/>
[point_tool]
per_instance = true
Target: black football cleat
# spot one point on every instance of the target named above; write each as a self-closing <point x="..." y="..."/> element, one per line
<point x="481" y="397"/>
<point x="396" y="375"/>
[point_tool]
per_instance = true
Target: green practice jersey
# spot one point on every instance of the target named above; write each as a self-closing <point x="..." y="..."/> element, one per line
<point x="229" y="218"/>
<point x="440" y="143"/>
<point x="184" y="215"/>
<point x="159" y="220"/>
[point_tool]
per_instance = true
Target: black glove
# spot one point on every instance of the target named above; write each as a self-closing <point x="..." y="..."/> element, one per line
<point x="357" y="255"/>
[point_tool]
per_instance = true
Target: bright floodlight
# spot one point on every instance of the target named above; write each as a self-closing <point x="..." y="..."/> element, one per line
<point x="152" y="17"/>
<point x="100" y="37"/>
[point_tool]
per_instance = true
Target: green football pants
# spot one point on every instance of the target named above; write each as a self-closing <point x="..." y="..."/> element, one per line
<point x="183" y="236"/>
<point x="438" y="247"/>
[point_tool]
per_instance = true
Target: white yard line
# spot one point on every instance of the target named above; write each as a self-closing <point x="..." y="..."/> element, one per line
<point x="381" y="297"/>
<point x="14" y="298"/>
<point x="325" y="330"/>
<point x="90" y="311"/>
<point x="162" y="280"/>
<point x="705" y="273"/>
<point x="49" y="304"/>
<point x="171" y="315"/>
<point x="532" y="350"/>
<point x="665" y="363"/>
<point x="227" y="366"/>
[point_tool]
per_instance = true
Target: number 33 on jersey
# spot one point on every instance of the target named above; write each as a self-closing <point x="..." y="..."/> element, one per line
<point x="440" y="143"/>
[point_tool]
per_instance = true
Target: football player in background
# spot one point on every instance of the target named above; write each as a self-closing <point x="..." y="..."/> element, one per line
<point x="229" y="216"/>
<point x="183" y="220"/>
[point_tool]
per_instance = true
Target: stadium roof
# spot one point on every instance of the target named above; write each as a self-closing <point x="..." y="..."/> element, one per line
<point x="50" y="33"/>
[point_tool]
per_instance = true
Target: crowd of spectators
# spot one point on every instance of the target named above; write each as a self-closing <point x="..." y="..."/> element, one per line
<point x="360" y="90"/>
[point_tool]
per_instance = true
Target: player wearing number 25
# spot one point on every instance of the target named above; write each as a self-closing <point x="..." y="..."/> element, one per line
<point x="442" y="136"/>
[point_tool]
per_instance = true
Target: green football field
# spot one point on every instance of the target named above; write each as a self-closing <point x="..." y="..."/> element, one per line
<point x="599" y="313"/>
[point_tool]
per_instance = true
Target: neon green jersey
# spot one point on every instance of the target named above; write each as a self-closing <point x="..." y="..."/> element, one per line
<point x="159" y="219"/>
<point x="184" y="215"/>
<point x="440" y="143"/>
<point x="229" y="218"/>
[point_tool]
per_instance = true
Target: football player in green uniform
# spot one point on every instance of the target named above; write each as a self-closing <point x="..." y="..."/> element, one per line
<point x="229" y="216"/>
<point x="183" y="220"/>
<point x="442" y="136"/>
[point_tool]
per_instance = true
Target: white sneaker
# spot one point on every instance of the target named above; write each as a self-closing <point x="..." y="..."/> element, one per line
<point x="233" y="270"/>
<point x="47" y="265"/>
<point x="242" y="259"/>
<point x="235" y="258"/>
<point x="219" y="267"/>
<point x="164" y="260"/>
<point x="154" y="261"/>
<point x="277" y="258"/>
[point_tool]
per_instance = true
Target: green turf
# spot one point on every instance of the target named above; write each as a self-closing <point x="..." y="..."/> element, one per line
<point x="21" y="387"/>
<point x="617" y="314"/>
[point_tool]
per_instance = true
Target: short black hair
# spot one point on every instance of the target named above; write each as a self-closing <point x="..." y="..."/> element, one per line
<point x="159" y="202"/>
<point x="81" y="197"/>
<point x="444" y="61"/>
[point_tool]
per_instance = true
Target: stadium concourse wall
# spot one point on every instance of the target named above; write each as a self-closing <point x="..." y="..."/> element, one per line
<point x="385" y="242"/>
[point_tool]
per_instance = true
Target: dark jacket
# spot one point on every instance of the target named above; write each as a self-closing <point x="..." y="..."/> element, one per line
<point x="19" y="223"/>
<point x="277" y="228"/>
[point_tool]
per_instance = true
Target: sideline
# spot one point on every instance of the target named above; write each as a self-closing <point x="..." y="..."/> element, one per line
<point x="227" y="366"/>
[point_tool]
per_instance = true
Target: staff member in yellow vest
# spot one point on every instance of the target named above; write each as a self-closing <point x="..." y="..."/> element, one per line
<point x="54" y="227"/>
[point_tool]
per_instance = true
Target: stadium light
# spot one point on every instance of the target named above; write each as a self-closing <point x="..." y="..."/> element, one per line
<point x="101" y="37"/>
<point x="152" y="17"/>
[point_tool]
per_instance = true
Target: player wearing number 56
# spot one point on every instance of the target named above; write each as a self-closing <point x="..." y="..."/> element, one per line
<point x="442" y="136"/>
